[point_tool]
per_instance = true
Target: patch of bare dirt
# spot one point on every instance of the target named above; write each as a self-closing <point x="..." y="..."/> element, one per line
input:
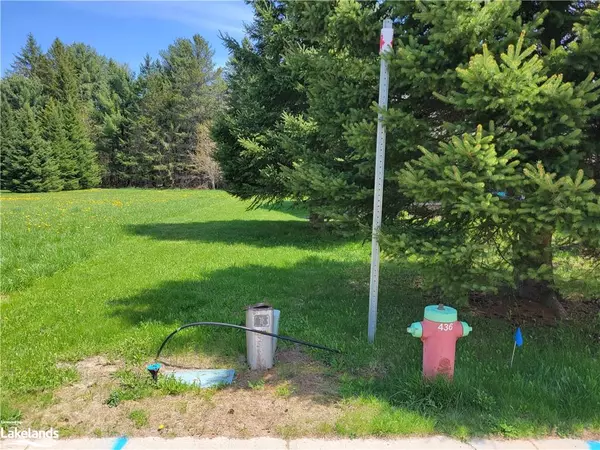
<point x="296" y="397"/>
<point x="521" y="311"/>
<point x="582" y="309"/>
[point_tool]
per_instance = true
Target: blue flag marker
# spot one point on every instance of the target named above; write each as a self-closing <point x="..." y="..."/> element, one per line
<point x="518" y="338"/>
<point x="518" y="343"/>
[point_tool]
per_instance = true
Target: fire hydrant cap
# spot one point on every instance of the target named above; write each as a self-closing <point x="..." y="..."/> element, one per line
<point x="416" y="329"/>
<point x="440" y="313"/>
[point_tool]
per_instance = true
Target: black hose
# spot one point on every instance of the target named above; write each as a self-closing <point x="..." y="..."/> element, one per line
<point x="240" y="327"/>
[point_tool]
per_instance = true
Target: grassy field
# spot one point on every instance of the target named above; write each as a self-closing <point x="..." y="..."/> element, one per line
<point x="111" y="272"/>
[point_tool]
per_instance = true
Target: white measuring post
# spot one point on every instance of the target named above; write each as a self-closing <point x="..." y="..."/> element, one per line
<point x="385" y="44"/>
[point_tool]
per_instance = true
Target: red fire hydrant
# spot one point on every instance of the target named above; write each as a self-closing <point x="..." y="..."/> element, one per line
<point x="439" y="332"/>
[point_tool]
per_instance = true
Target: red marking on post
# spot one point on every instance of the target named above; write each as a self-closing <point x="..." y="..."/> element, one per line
<point x="381" y="42"/>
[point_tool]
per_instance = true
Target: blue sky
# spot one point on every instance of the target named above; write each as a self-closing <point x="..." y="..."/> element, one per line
<point x="123" y="30"/>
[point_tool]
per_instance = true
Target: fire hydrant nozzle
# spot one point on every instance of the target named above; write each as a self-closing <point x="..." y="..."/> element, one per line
<point x="416" y="329"/>
<point x="466" y="329"/>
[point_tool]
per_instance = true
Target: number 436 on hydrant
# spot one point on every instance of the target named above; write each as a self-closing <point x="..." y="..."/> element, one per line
<point x="439" y="332"/>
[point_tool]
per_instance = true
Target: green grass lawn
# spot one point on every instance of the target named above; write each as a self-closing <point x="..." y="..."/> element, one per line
<point x="112" y="272"/>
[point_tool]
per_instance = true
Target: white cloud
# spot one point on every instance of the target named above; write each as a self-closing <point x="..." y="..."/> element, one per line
<point x="225" y="15"/>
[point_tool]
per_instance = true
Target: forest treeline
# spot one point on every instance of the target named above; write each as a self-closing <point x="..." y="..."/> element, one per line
<point x="74" y="119"/>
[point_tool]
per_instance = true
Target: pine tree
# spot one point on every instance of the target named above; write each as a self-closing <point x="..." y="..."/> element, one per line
<point x="333" y="170"/>
<point x="575" y="61"/>
<point x="116" y="103"/>
<point x="55" y="134"/>
<point x="61" y="81"/>
<point x="339" y="75"/>
<point x="10" y="132"/>
<point x="81" y="148"/>
<point x="443" y="83"/>
<point x="176" y="93"/>
<point x="63" y="85"/>
<point x="18" y="91"/>
<point x="189" y="95"/>
<point x="100" y="121"/>
<point x="28" y="62"/>
<point x="31" y="167"/>
<point x="487" y="205"/>
<point x="147" y="145"/>
<point x="260" y="89"/>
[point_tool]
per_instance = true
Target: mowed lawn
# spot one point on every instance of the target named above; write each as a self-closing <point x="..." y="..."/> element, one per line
<point x="112" y="272"/>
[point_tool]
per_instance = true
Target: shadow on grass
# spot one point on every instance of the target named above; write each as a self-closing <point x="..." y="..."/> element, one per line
<point x="260" y="233"/>
<point x="287" y="207"/>
<point x="321" y="298"/>
<point x="552" y="387"/>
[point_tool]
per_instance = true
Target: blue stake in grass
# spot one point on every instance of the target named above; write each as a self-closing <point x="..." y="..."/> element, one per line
<point x="153" y="369"/>
<point x="518" y="343"/>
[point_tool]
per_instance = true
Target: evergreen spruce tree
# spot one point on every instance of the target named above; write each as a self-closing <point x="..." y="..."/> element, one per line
<point x="10" y="132"/>
<point x="575" y="61"/>
<point x="189" y="95"/>
<point x="31" y="167"/>
<point x="147" y="144"/>
<point x="61" y="82"/>
<point x="100" y="121"/>
<point x="330" y="145"/>
<point x="55" y="134"/>
<point x="116" y="103"/>
<point x="18" y="91"/>
<point x="333" y="166"/>
<point x="176" y="93"/>
<point x="63" y="86"/>
<point x="536" y="119"/>
<point x="29" y="62"/>
<point x="260" y="89"/>
<point x="81" y="148"/>
<point x="443" y="84"/>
